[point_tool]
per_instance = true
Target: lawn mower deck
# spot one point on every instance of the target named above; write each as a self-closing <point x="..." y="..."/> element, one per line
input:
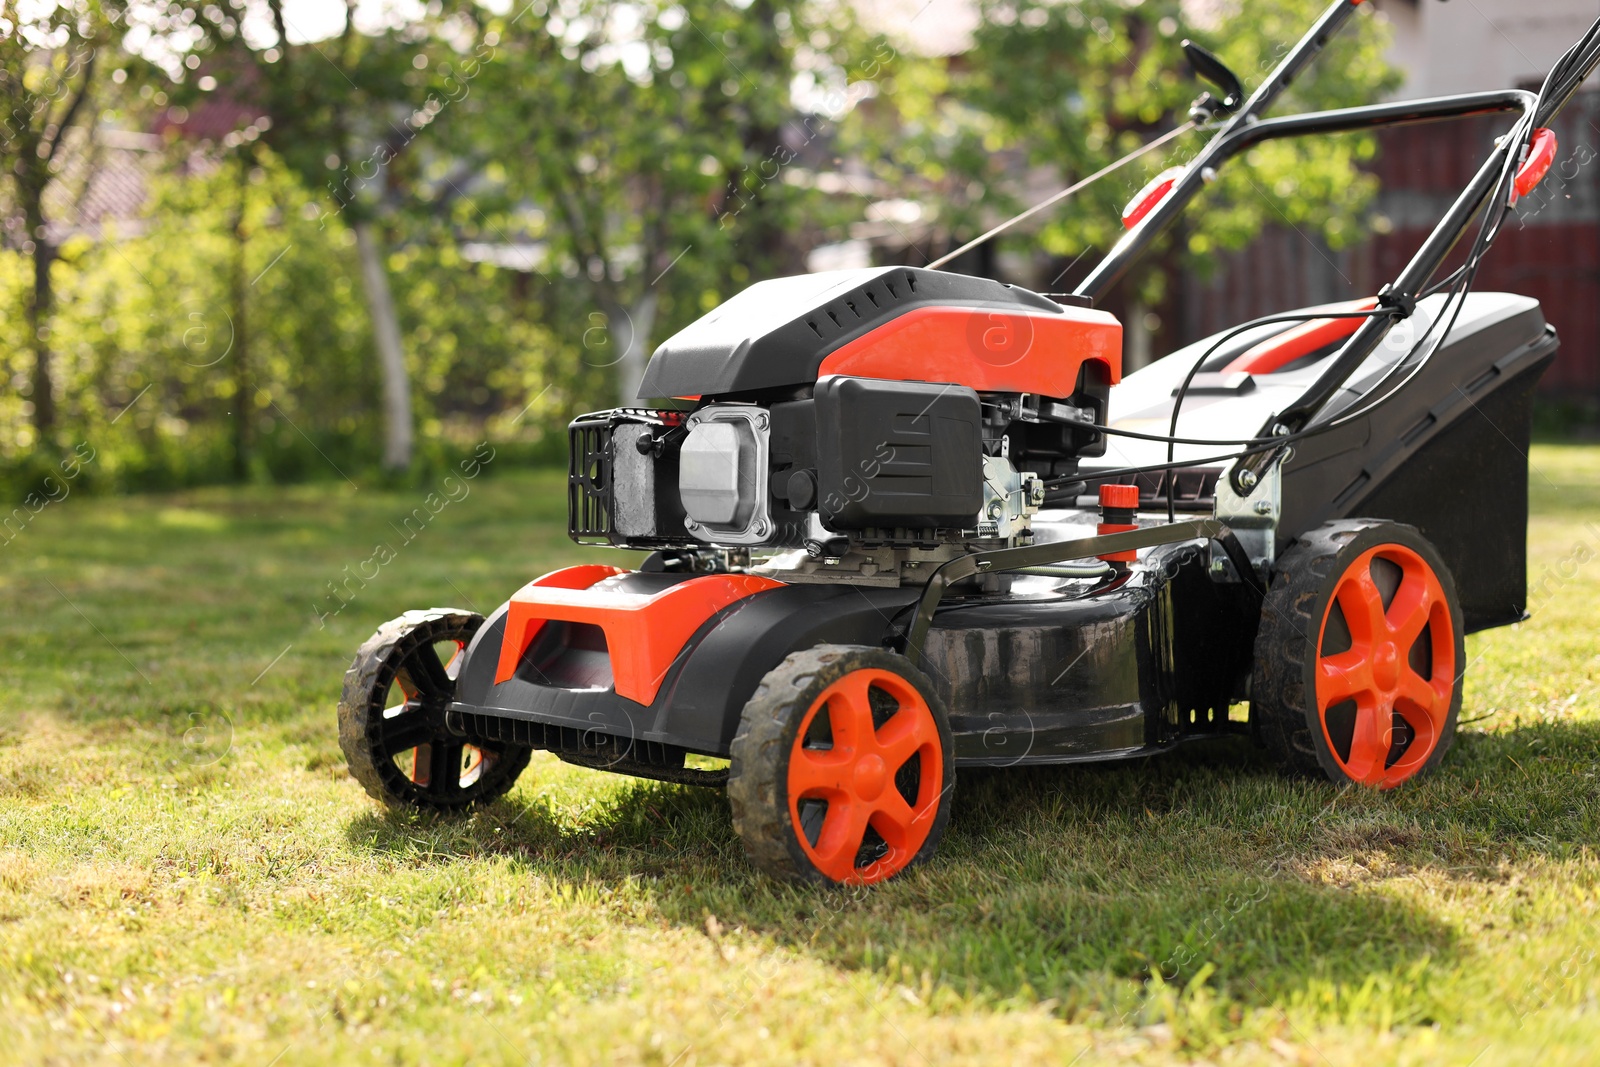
<point x="900" y="521"/>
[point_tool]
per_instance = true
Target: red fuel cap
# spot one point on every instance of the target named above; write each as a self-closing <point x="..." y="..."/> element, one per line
<point x="1119" y="496"/>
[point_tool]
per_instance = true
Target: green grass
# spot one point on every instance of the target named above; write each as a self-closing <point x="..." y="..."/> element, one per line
<point x="187" y="874"/>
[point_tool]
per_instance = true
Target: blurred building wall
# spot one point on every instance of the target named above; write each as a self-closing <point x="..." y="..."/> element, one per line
<point x="1465" y="45"/>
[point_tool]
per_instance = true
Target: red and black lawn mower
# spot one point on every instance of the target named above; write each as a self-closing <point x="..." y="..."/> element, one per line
<point x="902" y="521"/>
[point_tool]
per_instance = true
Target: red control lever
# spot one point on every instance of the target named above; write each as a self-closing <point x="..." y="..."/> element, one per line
<point x="1541" y="153"/>
<point x="1145" y="200"/>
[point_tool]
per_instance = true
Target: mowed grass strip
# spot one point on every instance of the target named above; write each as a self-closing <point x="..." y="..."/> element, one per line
<point x="188" y="875"/>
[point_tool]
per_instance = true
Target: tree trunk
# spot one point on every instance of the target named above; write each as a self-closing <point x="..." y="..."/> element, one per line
<point x="391" y="359"/>
<point x="243" y="391"/>
<point x="630" y="332"/>
<point x="40" y="305"/>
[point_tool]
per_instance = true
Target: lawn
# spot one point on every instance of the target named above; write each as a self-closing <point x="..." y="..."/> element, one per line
<point x="188" y="875"/>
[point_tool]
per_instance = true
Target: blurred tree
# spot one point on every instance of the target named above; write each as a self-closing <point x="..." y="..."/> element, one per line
<point x="48" y="56"/>
<point x="656" y="150"/>
<point x="1073" y="86"/>
<point x="340" y="113"/>
<point x="143" y="317"/>
<point x="647" y="158"/>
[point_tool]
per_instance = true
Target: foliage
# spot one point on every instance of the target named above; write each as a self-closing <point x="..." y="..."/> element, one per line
<point x="48" y="56"/>
<point x="147" y="342"/>
<point x="650" y="159"/>
<point x="653" y="150"/>
<point x="1074" y="86"/>
<point x="450" y="140"/>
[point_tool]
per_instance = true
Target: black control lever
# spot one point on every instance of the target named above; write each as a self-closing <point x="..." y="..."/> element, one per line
<point x="1208" y="67"/>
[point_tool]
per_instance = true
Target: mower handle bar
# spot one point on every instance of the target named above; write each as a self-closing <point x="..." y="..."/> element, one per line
<point x="1116" y="262"/>
<point x="1246" y="128"/>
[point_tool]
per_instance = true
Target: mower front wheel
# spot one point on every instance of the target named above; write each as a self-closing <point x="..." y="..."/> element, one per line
<point x="392" y="718"/>
<point x="842" y="768"/>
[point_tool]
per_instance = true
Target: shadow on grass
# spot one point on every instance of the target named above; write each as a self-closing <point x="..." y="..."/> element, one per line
<point x="1080" y="884"/>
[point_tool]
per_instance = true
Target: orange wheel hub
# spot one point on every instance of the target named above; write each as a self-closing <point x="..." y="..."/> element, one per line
<point x="1383" y="701"/>
<point x="878" y="770"/>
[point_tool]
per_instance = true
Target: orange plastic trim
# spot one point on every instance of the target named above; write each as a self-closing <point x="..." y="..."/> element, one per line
<point x="644" y="631"/>
<point x="1146" y="199"/>
<point x="581" y="577"/>
<point x="1302" y="340"/>
<point x="1541" y="153"/>
<point x="984" y="349"/>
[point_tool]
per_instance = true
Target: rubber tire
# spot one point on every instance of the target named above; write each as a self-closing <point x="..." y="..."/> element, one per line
<point x="366" y="687"/>
<point x="1283" y="709"/>
<point x="758" y="770"/>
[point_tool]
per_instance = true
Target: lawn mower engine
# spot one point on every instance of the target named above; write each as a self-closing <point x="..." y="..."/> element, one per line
<point x="814" y="420"/>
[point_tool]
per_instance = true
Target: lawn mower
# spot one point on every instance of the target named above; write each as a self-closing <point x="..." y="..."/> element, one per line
<point x="901" y="521"/>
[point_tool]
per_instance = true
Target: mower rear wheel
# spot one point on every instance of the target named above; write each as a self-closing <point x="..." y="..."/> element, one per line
<point x="1359" y="656"/>
<point x="842" y="769"/>
<point x="392" y="718"/>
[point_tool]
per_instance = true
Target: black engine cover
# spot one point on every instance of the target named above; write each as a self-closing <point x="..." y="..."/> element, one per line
<point x="897" y="454"/>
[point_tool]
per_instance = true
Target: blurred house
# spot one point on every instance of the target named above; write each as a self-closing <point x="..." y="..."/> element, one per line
<point x="1481" y="44"/>
<point x="101" y="185"/>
